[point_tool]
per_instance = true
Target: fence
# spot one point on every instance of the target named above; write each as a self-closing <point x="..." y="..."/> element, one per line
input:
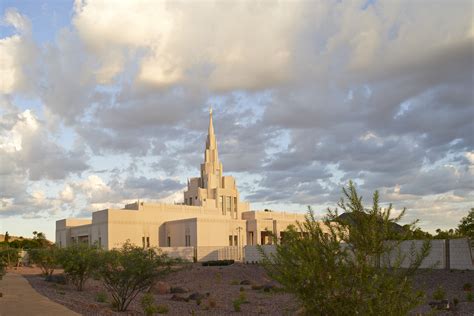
<point x="444" y="254"/>
<point x="206" y="253"/>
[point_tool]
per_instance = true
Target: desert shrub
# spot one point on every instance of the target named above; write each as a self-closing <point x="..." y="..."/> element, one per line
<point x="236" y="303"/>
<point x="131" y="270"/>
<point x="234" y="282"/>
<point x="336" y="266"/>
<point x="469" y="296"/>
<point x="79" y="261"/>
<point x="9" y="256"/>
<point x="162" y="309"/>
<point x="439" y="294"/>
<point x="467" y="287"/>
<point x="148" y="304"/>
<point x="45" y="258"/>
<point x="101" y="297"/>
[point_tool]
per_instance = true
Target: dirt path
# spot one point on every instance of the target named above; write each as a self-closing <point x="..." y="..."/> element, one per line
<point x="19" y="299"/>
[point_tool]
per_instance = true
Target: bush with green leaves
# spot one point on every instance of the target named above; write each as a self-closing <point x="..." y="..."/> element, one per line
<point x="45" y="258"/>
<point x="9" y="257"/>
<point x="148" y="304"/>
<point x="439" y="294"/>
<point x="79" y="262"/>
<point x="130" y="270"/>
<point x="335" y="267"/>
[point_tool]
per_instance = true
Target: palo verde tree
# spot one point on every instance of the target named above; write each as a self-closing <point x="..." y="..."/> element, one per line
<point x="130" y="270"/>
<point x="340" y="267"/>
<point x="466" y="226"/>
<point x="79" y="262"/>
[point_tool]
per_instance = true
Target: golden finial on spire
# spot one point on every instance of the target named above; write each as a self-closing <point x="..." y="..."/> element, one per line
<point x="210" y="110"/>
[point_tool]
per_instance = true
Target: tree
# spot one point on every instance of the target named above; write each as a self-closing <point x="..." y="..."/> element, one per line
<point x="7" y="237"/>
<point x="337" y="267"/>
<point x="45" y="258"/>
<point x="130" y="270"/>
<point x="79" y="261"/>
<point x="466" y="226"/>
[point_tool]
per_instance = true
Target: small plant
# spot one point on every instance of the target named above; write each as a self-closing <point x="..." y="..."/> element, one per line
<point x="243" y="297"/>
<point x="101" y="297"/>
<point x="198" y="302"/>
<point x="469" y="296"/>
<point x="439" y="294"/>
<point x="455" y="302"/>
<point x="212" y="303"/>
<point x="234" y="282"/>
<point x="242" y="289"/>
<point x="218" y="277"/>
<point x="467" y="287"/>
<point x="148" y="304"/>
<point x="162" y="309"/>
<point x="236" y="303"/>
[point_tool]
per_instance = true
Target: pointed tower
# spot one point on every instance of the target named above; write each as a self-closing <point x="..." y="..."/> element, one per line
<point x="212" y="189"/>
<point x="211" y="169"/>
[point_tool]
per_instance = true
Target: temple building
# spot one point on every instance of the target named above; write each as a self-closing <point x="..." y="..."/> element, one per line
<point x="212" y="215"/>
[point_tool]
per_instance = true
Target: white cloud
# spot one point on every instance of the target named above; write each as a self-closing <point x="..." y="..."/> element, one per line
<point x="16" y="53"/>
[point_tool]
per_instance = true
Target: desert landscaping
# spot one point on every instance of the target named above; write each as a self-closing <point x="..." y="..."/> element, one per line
<point x="211" y="290"/>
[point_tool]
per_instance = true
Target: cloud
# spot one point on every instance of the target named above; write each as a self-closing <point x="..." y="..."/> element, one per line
<point x="16" y="53"/>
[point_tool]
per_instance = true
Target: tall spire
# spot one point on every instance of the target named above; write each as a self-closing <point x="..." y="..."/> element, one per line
<point x="211" y="138"/>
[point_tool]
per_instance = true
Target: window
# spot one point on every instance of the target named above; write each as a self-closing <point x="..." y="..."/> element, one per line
<point x="187" y="240"/>
<point x="148" y="242"/>
<point x="190" y="201"/>
<point x="230" y="240"/>
<point x="221" y="203"/>
<point x="100" y="242"/>
<point x="228" y="204"/>
<point x="235" y="241"/>
<point x="235" y="204"/>
<point x="143" y="242"/>
<point x="169" y="241"/>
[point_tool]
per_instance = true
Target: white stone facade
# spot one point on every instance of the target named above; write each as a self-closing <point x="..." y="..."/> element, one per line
<point x="212" y="215"/>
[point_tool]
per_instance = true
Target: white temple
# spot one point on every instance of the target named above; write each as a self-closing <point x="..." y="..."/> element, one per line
<point x="211" y="215"/>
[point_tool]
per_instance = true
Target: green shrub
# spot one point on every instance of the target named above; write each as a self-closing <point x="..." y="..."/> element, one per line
<point x="9" y="256"/>
<point x="338" y="266"/>
<point x="162" y="309"/>
<point x="101" y="297"/>
<point x="131" y="270"/>
<point x="79" y="261"/>
<point x="469" y="296"/>
<point x="467" y="287"/>
<point x="148" y="304"/>
<point x="236" y="303"/>
<point x="439" y="294"/>
<point x="45" y="258"/>
<point x="234" y="282"/>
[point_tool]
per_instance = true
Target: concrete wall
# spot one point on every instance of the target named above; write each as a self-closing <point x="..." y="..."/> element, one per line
<point x="186" y="253"/>
<point x="252" y="254"/>
<point x="460" y="254"/>
<point x="406" y="253"/>
<point x="219" y="253"/>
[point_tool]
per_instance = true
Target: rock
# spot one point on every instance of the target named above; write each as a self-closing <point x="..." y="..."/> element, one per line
<point x="178" y="298"/>
<point x="245" y="282"/>
<point x="56" y="278"/>
<point x="196" y="296"/>
<point x="161" y="288"/>
<point x="179" y="290"/>
<point x="443" y="304"/>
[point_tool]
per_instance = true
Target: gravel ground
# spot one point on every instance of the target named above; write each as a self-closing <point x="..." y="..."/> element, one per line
<point x="220" y="282"/>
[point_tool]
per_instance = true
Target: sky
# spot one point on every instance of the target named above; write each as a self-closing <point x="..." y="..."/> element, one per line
<point x="106" y="102"/>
